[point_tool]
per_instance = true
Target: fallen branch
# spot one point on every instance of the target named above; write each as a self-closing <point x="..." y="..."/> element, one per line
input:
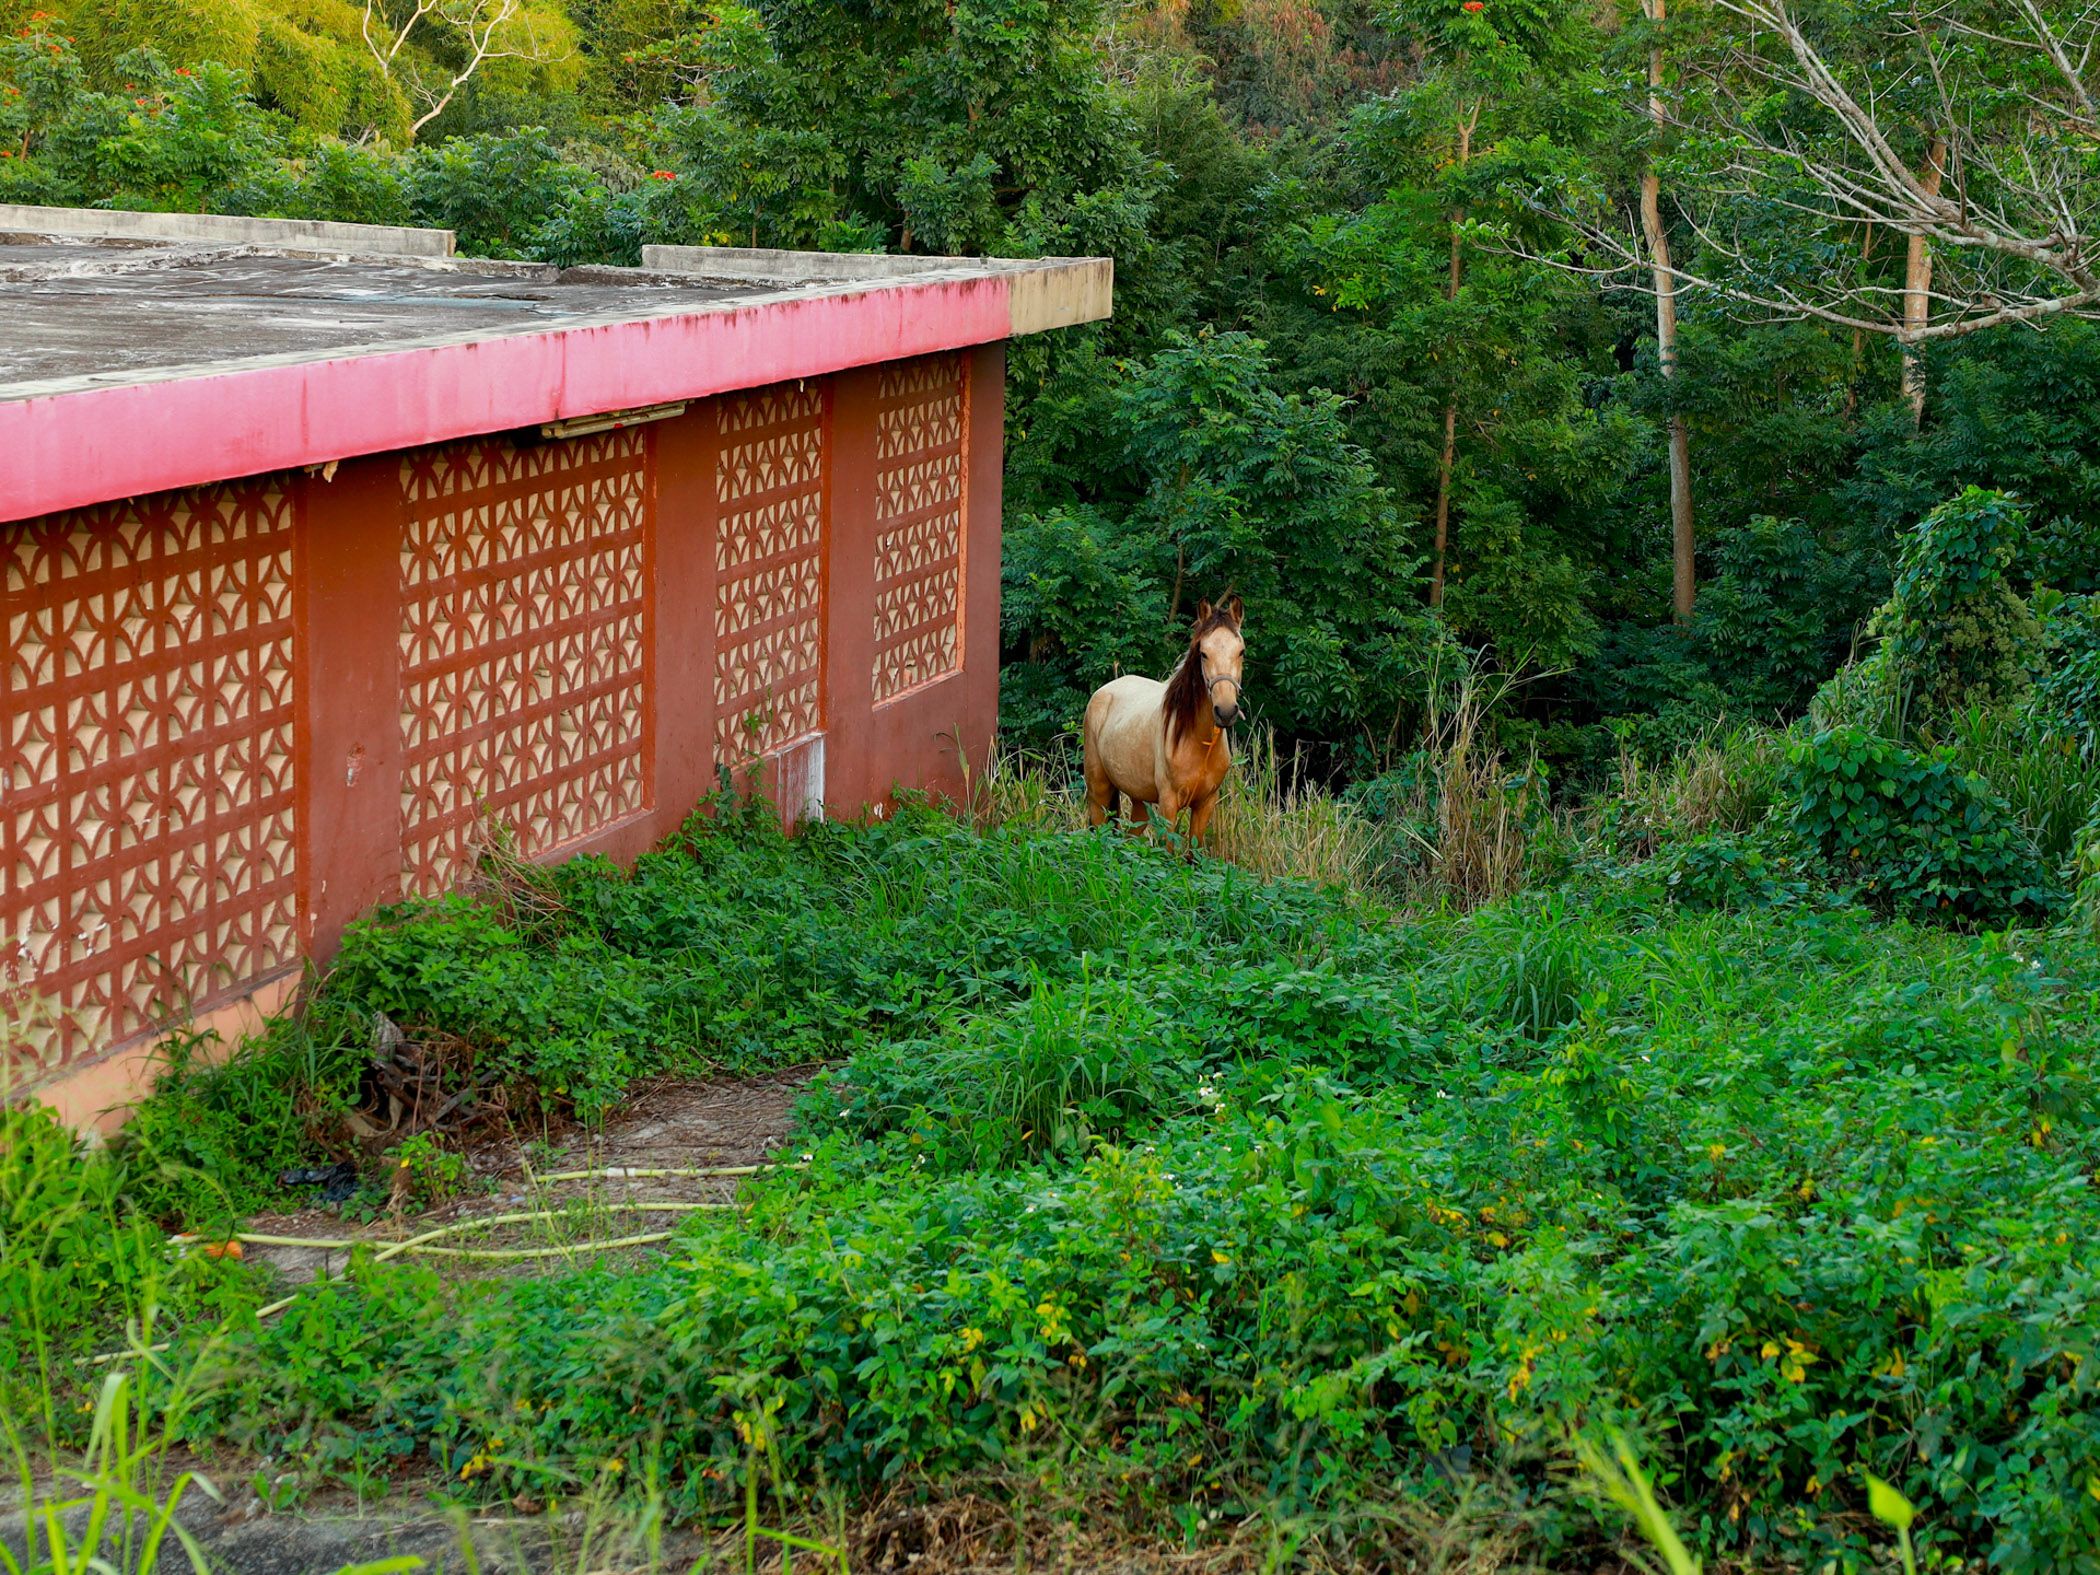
<point x="420" y="1243"/>
<point x="630" y="1173"/>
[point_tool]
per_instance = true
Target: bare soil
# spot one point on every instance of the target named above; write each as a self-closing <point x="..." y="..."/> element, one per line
<point x="672" y="1124"/>
<point x="986" y="1531"/>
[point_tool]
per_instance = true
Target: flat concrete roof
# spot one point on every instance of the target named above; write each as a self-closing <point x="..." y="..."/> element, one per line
<point x="196" y="349"/>
<point x="78" y="316"/>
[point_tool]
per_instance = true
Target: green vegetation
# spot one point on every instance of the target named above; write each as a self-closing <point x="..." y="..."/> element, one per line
<point x="1357" y="369"/>
<point x="1649" y="987"/>
<point x="1155" y="1183"/>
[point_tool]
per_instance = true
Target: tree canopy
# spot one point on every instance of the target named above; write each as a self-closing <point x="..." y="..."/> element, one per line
<point x="1385" y="357"/>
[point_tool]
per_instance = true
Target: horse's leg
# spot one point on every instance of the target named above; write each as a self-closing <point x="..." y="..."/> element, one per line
<point x="1170" y="807"/>
<point x="1101" y="795"/>
<point x="1199" y="820"/>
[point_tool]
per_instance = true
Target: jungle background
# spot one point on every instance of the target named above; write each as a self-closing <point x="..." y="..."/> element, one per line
<point x="1373" y="283"/>
<point x="1648" y="976"/>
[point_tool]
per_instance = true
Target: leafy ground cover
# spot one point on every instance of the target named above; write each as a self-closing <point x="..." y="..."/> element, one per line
<point x="1151" y="1183"/>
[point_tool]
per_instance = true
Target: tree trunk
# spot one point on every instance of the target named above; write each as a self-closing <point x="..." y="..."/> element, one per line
<point x="1443" y="503"/>
<point x="1917" y="288"/>
<point x="1859" y="335"/>
<point x="1449" y="457"/>
<point x="1682" y="582"/>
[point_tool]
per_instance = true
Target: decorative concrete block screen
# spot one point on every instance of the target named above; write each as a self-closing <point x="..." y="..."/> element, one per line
<point x="769" y="571"/>
<point x="524" y="604"/>
<point x="146" y="761"/>
<point x="921" y="461"/>
<point x="233" y="719"/>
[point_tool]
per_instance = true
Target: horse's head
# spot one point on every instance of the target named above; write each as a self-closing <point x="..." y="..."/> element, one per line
<point x="1217" y="649"/>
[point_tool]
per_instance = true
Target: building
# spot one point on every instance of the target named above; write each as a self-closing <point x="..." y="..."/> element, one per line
<point x="322" y="551"/>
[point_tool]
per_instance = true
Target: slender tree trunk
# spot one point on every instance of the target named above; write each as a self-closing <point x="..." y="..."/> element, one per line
<point x="1682" y="581"/>
<point x="1859" y="335"/>
<point x="1449" y="457"/>
<point x="1917" y="288"/>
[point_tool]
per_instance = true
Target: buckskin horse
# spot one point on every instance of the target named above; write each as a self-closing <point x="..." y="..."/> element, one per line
<point x="1166" y="743"/>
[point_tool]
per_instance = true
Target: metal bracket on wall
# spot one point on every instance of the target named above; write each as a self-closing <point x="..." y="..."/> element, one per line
<point x="583" y="426"/>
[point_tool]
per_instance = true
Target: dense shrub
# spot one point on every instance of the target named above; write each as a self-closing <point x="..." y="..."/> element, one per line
<point x="1221" y="480"/>
<point x="1953" y="633"/>
<point x="1779" y="614"/>
<point x="1772" y="1190"/>
<point x="1733" y="870"/>
<point x="2066" y="701"/>
<point x="77" y="1260"/>
<point x="2011" y="412"/>
<point x="1917" y="831"/>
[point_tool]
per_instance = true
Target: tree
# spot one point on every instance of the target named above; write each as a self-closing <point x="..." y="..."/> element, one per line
<point x="1225" y="483"/>
<point x="1455" y="356"/>
<point x="303" y="57"/>
<point x="1966" y="127"/>
<point x="962" y="126"/>
<point x="1682" y="563"/>
<point x="1468" y="122"/>
<point x="457" y="40"/>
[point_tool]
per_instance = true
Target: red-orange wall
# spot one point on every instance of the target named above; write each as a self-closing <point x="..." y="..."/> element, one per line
<point x="233" y="719"/>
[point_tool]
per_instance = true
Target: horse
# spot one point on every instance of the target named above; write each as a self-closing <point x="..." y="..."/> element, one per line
<point x="1166" y="743"/>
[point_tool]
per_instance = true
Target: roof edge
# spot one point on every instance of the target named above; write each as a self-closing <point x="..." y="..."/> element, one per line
<point x="1045" y="292"/>
<point x="101" y="443"/>
<point x="220" y="229"/>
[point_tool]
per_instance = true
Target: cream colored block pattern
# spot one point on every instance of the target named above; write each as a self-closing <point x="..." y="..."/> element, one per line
<point x="147" y="842"/>
<point x="769" y="571"/>
<point x="920" y="466"/>
<point x="524" y="647"/>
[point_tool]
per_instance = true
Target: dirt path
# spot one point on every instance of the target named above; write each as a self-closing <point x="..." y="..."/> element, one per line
<point x="670" y="1125"/>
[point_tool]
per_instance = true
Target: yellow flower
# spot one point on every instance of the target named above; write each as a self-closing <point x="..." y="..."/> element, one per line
<point x="616" y="1465"/>
<point x="1717" y="1152"/>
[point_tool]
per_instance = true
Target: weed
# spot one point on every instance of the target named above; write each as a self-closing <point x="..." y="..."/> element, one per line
<point x="1914" y="828"/>
<point x="1154" y="1182"/>
<point x="425" y="1175"/>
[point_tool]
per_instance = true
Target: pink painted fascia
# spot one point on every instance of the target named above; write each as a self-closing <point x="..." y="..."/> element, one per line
<point x="69" y="450"/>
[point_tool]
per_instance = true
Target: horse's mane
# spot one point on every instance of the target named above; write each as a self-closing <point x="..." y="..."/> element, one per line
<point x="1187" y="693"/>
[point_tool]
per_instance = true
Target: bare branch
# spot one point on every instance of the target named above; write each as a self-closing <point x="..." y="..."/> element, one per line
<point x="1964" y="125"/>
<point x="486" y="29"/>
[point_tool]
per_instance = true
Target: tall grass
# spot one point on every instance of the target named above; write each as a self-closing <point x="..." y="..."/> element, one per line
<point x="117" y="1507"/>
<point x="2050" y="785"/>
<point x="1725" y="781"/>
<point x="1484" y="811"/>
<point x="1272" y="818"/>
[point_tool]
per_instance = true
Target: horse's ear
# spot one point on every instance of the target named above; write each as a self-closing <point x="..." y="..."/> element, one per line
<point x="1232" y="609"/>
<point x="1202" y="612"/>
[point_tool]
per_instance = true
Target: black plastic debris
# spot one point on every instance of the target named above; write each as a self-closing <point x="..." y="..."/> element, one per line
<point x="338" y="1182"/>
